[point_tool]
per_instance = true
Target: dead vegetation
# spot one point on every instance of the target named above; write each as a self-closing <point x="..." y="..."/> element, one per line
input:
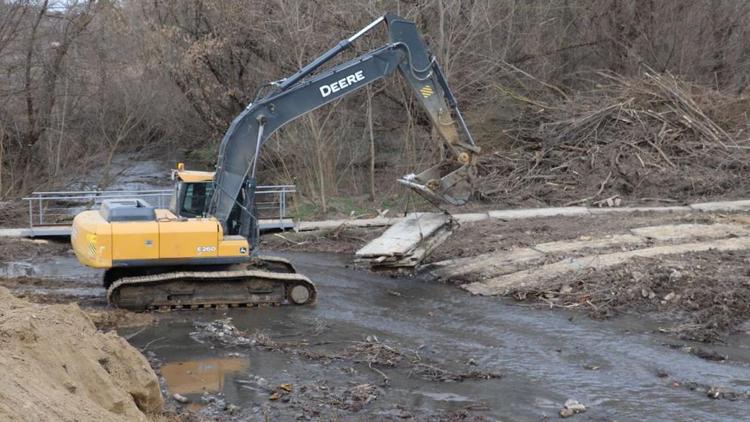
<point x="627" y="140"/>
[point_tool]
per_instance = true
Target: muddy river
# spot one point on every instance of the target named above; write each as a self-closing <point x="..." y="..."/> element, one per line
<point x="620" y="369"/>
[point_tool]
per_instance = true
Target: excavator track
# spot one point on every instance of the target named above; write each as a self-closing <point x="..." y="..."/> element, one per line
<point x="238" y="286"/>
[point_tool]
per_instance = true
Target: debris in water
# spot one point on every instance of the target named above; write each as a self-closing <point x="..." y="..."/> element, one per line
<point x="359" y="396"/>
<point x="571" y="407"/>
<point x="286" y="387"/>
<point x="232" y="408"/>
<point x="222" y="331"/>
<point x="180" y="398"/>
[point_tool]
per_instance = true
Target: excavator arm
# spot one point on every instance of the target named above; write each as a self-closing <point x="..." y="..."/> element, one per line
<point x="449" y="181"/>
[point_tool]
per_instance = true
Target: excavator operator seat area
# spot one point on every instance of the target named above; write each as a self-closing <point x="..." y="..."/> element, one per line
<point x="127" y="210"/>
<point x="193" y="198"/>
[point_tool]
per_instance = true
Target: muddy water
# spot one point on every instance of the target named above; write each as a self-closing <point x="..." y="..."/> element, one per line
<point x="545" y="356"/>
<point x="197" y="376"/>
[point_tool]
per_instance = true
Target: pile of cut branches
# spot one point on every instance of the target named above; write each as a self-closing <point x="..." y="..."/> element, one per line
<point x="627" y="141"/>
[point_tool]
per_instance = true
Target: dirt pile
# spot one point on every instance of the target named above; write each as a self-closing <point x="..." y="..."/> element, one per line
<point x="630" y="140"/>
<point x="55" y="365"/>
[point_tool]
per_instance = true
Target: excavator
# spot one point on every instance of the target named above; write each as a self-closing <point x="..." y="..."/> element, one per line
<point x="202" y="252"/>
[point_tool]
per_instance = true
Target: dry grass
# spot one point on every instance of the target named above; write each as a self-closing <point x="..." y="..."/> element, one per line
<point x="653" y="138"/>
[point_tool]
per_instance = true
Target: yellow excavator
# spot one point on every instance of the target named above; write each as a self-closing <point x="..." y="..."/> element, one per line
<point x="202" y="252"/>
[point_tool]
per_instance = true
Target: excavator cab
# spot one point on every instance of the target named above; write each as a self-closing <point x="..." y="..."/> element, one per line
<point x="192" y="192"/>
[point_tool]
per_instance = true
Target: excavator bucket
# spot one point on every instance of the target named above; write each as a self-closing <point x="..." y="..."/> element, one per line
<point x="444" y="183"/>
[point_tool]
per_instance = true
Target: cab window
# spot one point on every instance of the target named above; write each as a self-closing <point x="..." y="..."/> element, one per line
<point x="195" y="199"/>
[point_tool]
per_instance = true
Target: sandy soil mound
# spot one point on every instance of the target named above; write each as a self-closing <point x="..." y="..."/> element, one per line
<point x="55" y="365"/>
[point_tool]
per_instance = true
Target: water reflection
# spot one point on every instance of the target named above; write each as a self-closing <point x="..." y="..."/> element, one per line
<point x="197" y="376"/>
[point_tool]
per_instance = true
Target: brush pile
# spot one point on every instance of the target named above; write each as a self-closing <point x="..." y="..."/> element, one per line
<point x="628" y="141"/>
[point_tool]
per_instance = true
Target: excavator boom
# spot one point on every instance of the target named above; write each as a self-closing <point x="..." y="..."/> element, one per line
<point x="290" y="98"/>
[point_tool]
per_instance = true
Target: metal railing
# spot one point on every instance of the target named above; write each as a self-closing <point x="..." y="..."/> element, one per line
<point x="59" y="208"/>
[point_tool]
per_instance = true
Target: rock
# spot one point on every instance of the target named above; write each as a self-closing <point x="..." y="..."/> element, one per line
<point x="180" y="398"/>
<point x="647" y="293"/>
<point x="566" y="413"/>
<point x="575" y="406"/>
<point x="669" y="297"/>
<point x="591" y="367"/>
<point x="571" y="407"/>
<point x="675" y="275"/>
<point x="566" y="289"/>
<point x="708" y="354"/>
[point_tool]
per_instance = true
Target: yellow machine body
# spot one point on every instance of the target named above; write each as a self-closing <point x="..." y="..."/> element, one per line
<point x="165" y="240"/>
<point x="99" y="243"/>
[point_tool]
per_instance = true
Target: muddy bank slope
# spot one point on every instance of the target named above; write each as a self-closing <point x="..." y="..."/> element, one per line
<point x="55" y="365"/>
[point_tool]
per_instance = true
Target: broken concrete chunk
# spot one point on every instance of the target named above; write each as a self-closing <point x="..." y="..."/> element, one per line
<point x="407" y="243"/>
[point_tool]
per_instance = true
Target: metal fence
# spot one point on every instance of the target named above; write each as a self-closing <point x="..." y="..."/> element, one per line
<point x="59" y="208"/>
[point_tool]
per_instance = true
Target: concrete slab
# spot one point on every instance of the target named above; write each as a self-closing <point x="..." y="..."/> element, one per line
<point x="673" y="232"/>
<point x="611" y="241"/>
<point x="537" y="277"/>
<point x="404" y="236"/>
<point x="470" y="217"/>
<point x="487" y="265"/>
<point x="619" y="210"/>
<point x="722" y="206"/>
<point x="42" y="231"/>
<point x="13" y="232"/>
<point x="538" y="212"/>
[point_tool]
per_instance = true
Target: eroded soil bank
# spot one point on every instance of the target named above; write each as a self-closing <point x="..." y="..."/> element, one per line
<point x="55" y="365"/>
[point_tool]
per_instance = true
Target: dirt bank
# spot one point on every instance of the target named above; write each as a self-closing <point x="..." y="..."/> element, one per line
<point x="57" y="366"/>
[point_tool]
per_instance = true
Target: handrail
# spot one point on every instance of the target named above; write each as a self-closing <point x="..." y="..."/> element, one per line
<point x="43" y="211"/>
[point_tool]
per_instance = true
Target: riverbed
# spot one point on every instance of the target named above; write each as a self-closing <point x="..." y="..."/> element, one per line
<point x="620" y="369"/>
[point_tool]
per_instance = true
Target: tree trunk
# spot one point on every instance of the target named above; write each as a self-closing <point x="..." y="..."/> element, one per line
<point x="372" y="144"/>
